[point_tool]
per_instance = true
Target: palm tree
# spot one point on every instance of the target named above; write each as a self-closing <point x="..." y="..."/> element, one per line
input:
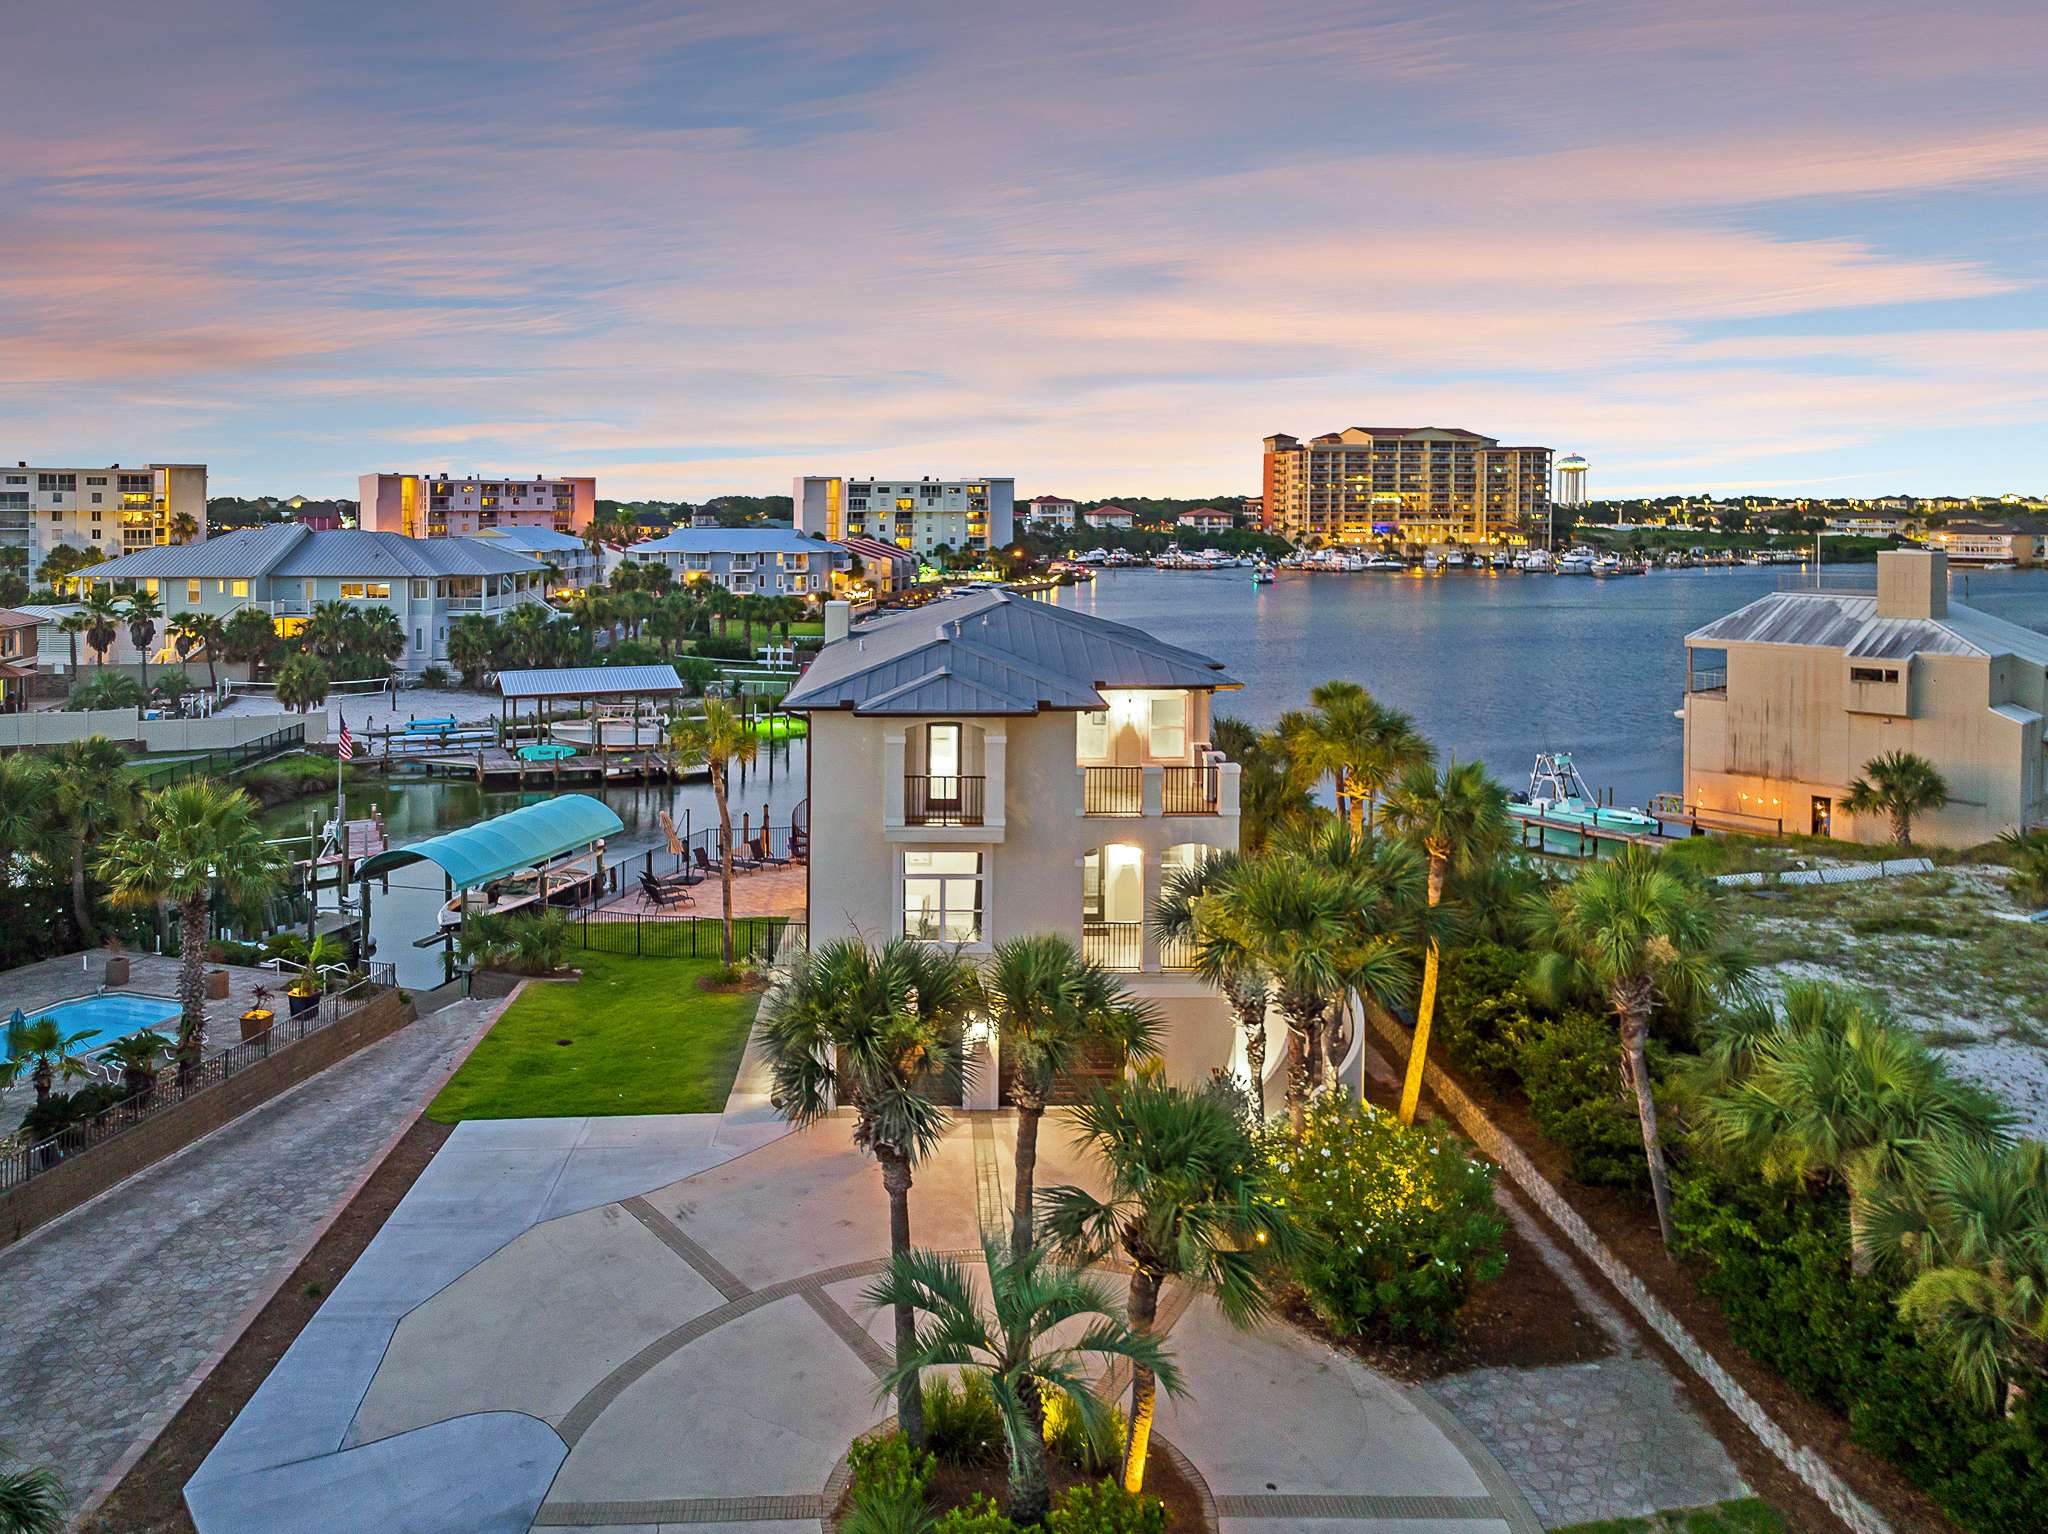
<point x="103" y="619"/>
<point x="1641" y="934"/>
<point x="1831" y="1089"/>
<point x="302" y="682"/>
<point x="1268" y="795"/>
<point x="1460" y="821"/>
<point x="1186" y="1201"/>
<point x="192" y="838"/>
<point x="472" y="647"/>
<point x="881" y="1031"/>
<point x="1052" y="1010"/>
<point x="25" y="809"/>
<point x="1011" y="1342"/>
<point x="192" y="632"/>
<point x="71" y="625"/>
<point x="721" y="737"/>
<point x="379" y="635"/>
<point x="1356" y="741"/>
<point x="139" y="1055"/>
<point x="140" y="614"/>
<point x="328" y="630"/>
<point x="32" y="1502"/>
<point x="92" y="795"/>
<point x="184" y="527"/>
<point x="1225" y="963"/>
<point x="1898" y="784"/>
<point x="249" y="636"/>
<point x="43" y="1052"/>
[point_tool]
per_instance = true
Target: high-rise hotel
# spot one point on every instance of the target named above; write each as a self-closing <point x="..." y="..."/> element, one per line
<point x="113" y="510"/>
<point x="1428" y="485"/>
<point x="921" y="515"/>
<point x="459" y="505"/>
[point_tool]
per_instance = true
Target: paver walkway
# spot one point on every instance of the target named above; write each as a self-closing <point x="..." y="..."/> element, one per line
<point x="521" y="1349"/>
<point x="111" y="1308"/>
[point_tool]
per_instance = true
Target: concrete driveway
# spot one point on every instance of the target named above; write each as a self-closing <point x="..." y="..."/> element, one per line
<point x="641" y="1324"/>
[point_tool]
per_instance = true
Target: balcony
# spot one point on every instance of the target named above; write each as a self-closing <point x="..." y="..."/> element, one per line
<point x="1189" y="790"/>
<point x="1112" y="790"/>
<point x="943" y="801"/>
<point x="1118" y="792"/>
<point x="1117" y="945"/>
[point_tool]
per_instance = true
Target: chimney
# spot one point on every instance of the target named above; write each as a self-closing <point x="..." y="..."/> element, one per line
<point x="838" y="621"/>
<point x="1912" y="583"/>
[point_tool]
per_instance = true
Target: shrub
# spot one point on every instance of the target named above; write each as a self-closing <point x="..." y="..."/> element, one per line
<point x="1571" y="1069"/>
<point x="1068" y="1440"/>
<point x="228" y="951"/>
<point x="1106" y="1508"/>
<point x="104" y="689"/>
<point x="60" y="1110"/>
<point x="435" y="676"/>
<point x="1403" y="1219"/>
<point x="962" y="1424"/>
<point x="889" y="1487"/>
<point x="981" y="1516"/>
<point x="1483" y="1013"/>
<point x="631" y="652"/>
<point x="1777" y="1265"/>
<point x="724" y="647"/>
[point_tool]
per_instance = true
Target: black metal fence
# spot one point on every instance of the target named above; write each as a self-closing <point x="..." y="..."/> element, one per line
<point x="169" y="1090"/>
<point x="226" y="761"/>
<point x="1116" y="945"/>
<point x="943" y="801"/>
<point x="1112" y="790"/>
<point x="755" y="939"/>
<point x="1188" y="790"/>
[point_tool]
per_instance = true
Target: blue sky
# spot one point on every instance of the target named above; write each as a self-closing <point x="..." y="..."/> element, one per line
<point x="1104" y="249"/>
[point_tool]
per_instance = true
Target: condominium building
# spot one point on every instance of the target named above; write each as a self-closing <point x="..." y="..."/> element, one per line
<point x="987" y="766"/>
<point x="287" y="571"/>
<point x="1428" y="486"/>
<point x="1789" y="698"/>
<point x="750" y="561"/>
<point x="114" y="510"/>
<point x="457" y="505"/>
<point x="926" y="516"/>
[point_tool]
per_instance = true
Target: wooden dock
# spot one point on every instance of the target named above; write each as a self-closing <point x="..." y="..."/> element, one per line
<point x="1569" y="839"/>
<point x="495" y="764"/>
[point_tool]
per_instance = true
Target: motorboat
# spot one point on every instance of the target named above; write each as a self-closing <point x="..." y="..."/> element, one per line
<point x="616" y="728"/>
<point x="1576" y="562"/>
<point x="1558" y="796"/>
<point x="1536" y="561"/>
<point x="1262" y="574"/>
<point x="1502" y="560"/>
<point x="1386" y="562"/>
<point x="566" y="879"/>
<point x="1431" y="563"/>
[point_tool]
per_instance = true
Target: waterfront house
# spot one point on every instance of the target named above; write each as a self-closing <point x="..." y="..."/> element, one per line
<point x="1970" y="543"/>
<point x="1115" y="518"/>
<point x="874" y="571"/>
<point x="574" y="565"/>
<point x="988" y="766"/>
<point x="17" y="658"/>
<point x="1787" y="699"/>
<point x="749" y="561"/>
<point x="1051" y="513"/>
<point x="1205" y="519"/>
<point x="286" y="571"/>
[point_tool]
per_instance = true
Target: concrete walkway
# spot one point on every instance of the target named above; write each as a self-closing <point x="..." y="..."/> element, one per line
<point x="635" y="1324"/>
<point x="111" y="1308"/>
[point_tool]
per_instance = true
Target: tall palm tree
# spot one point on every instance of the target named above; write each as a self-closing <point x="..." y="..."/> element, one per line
<point x="193" y="632"/>
<point x="472" y="647"/>
<point x="1011" y="1343"/>
<point x="1268" y="795"/>
<point x="1640" y="933"/>
<point x="140" y="613"/>
<point x="1052" y="1009"/>
<point x="329" y="628"/>
<point x="1460" y="821"/>
<point x="191" y="839"/>
<point x="44" y="1052"/>
<point x="1187" y="1200"/>
<point x="379" y="635"/>
<point x="71" y="625"/>
<point x="878" y="1030"/>
<point x="103" y="619"/>
<point x="1900" y="785"/>
<point x="1225" y="963"/>
<point x="721" y="737"/>
<point x="93" y="794"/>
<point x="1356" y="741"/>
<point x="184" y="527"/>
<point x="249" y="636"/>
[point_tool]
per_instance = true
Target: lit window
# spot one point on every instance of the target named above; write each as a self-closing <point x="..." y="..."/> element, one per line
<point x="1091" y="735"/>
<point x="1169" y="725"/>
<point x="238" y="588"/>
<point x="942" y="896"/>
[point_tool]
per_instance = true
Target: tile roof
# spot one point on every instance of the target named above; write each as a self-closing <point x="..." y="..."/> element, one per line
<point x="992" y="652"/>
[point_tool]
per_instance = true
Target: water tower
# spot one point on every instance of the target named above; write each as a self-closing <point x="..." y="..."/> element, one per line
<point x="1571" y="480"/>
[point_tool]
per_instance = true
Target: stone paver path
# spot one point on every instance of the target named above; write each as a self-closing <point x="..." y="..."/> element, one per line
<point x="110" y="1309"/>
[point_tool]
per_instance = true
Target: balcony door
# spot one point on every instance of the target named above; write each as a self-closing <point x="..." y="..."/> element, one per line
<point x="942" y="767"/>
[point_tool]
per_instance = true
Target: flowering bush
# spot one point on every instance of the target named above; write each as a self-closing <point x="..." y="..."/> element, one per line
<point x="1404" y="1219"/>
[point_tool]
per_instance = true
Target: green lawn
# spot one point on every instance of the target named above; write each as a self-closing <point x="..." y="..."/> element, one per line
<point x="632" y="1036"/>
<point x="1748" y="1515"/>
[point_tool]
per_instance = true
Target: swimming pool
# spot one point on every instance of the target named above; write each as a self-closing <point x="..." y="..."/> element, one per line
<point x="115" y="1014"/>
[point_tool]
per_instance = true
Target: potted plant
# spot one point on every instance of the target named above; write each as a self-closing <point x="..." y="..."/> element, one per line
<point x="304" y="994"/>
<point x="259" y="1018"/>
<point x="117" y="963"/>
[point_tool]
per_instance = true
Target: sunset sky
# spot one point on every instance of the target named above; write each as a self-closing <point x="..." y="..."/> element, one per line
<point x="1104" y="247"/>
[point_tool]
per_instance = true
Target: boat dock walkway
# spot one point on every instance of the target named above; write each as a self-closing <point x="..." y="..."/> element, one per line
<point x="495" y="764"/>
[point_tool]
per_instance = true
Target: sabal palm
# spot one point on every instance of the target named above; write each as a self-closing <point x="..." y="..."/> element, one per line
<point x="1974" y="1235"/>
<point x="25" y="809"/>
<point x="722" y="738"/>
<point x="1459" y="819"/>
<point x="1053" y="1009"/>
<point x="92" y="794"/>
<point x="193" y="632"/>
<point x="190" y="840"/>
<point x="1010" y="1340"/>
<point x="1899" y="785"/>
<point x="32" y="1502"/>
<point x="378" y="634"/>
<point x="879" y="1030"/>
<point x="71" y="625"/>
<point x="1187" y="1200"/>
<point x="1225" y="963"/>
<point x="103" y="619"/>
<point x="472" y="647"/>
<point x="1639" y="933"/>
<point x="140" y="613"/>
<point x="329" y="629"/>
<point x="42" y="1051"/>
<point x="1360" y="743"/>
<point x="250" y="636"/>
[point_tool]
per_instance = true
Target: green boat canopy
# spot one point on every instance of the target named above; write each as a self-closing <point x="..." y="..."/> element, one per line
<point x="478" y="854"/>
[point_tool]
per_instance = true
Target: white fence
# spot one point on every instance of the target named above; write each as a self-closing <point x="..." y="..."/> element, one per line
<point x="127" y="725"/>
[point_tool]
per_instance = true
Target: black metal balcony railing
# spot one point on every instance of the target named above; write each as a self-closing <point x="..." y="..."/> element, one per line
<point x="943" y="800"/>
<point x="1114" y="944"/>
<point x="1112" y="790"/>
<point x="1176" y="953"/>
<point x="1188" y="790"/>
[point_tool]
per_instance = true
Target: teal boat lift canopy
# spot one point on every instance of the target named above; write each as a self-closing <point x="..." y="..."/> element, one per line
<point x="521" y="839"/>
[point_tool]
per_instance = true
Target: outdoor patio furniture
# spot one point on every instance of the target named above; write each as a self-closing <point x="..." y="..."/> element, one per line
<point x="660" y="895"/>
<point x="764" y="854"/>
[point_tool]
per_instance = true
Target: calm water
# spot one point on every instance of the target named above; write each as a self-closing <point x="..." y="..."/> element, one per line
<point x="1493" y="667"/>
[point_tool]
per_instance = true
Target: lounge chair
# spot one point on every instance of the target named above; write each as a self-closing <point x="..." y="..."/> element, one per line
<point x="762" y="853"/>
<point x="661" y="895"/>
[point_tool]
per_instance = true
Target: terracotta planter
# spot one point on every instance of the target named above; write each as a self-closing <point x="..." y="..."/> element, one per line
<point x="117" y="970"/>
<point x="216" y="985"/>
<point x="257" y="1021"/>
<point x="301" y="1005"/>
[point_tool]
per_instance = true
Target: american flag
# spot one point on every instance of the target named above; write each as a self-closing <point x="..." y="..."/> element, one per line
<point x="348" y="743"/>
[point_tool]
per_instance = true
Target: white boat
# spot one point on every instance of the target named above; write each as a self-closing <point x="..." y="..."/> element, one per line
<point x="614" y="729"/>
<point x="1502" y="560"/>
<point x="1558" y="796"/>
<point x="1456" y="560"/>
<point x="1576" y="562"/>
<point x="1386" y="562"/>
<point x="1430" y="562"/>
<point x="1536" y="561"/>
<point x="564" y="878"/>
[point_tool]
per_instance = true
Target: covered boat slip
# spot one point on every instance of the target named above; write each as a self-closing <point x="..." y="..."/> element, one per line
<point x="622" y="707"/>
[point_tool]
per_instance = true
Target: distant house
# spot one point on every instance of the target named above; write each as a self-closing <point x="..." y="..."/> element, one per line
<point x="1047" y="512"/>
<point x="17" y="658"/>
<point x="751" y="561"/>
<point x="884" y="568"/>
<point x="1206" y="519"/>
<point x="1112" y="517"/>
<point x="1968" y="543"/>
<point x="579" y="568"/>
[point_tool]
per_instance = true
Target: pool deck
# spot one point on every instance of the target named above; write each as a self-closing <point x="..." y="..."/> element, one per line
<point x="48" y="981"/>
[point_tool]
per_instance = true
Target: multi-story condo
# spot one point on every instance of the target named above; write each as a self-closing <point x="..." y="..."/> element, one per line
<point x="287" y="571"/>
<point x="988" y="766"/>
<point x="570" y="564"/>
<point x="113" y="510"/>
<point x="1430" y="486"/>
<point x="750" y="561"/>
<point x="457" y="505"/>
<point x="926" y="516"/>
<point x="1983" y="545"/>
<point x="1789" y="698"/>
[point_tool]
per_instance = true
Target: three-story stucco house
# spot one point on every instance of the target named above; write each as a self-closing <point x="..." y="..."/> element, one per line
<point x="989" y="766"/>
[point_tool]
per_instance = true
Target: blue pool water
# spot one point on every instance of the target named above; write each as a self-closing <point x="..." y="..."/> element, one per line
<point x="115" y="1014"/>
